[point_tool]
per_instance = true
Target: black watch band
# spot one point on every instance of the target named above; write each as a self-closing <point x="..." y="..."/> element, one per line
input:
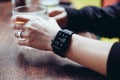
<point x="61" y="42"/>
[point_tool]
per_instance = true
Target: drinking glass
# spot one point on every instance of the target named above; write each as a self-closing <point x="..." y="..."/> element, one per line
<point x="36" y="10"/>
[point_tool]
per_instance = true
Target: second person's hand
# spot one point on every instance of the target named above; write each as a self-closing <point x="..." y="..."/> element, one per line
<point x="60" y="15"/>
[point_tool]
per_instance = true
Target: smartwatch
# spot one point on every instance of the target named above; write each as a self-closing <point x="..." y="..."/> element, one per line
<point x="61" y="42"/>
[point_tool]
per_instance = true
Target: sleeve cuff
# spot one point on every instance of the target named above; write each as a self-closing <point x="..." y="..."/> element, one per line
<point x="72" y="13"/>
<point x="113" y="64"/>
<point x="75" y="20"/>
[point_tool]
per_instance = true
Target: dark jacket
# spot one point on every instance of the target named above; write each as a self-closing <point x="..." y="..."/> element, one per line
<point x="101" y="21"/>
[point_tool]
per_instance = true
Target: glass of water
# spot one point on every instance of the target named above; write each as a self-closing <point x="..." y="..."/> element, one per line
<point x="36" y="10"/>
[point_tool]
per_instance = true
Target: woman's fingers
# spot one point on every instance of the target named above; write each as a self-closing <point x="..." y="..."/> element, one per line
<point x="37" y="32"/>
<point x="20" y="18"/>
<point x="18" y="27"/>
<point x="23" y="42"/>
<point x="18" y="22"/>
<point x="22" y="34"/>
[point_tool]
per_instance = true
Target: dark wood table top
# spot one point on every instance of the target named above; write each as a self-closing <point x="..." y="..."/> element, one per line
<point x="19" y="63"/>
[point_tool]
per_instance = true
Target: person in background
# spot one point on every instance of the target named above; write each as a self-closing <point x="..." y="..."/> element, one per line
<point x="101" y="21"/>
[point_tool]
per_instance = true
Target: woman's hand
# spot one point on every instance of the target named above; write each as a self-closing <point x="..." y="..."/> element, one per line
<point x="60" y="15"/>
<point x="36" y="31"/>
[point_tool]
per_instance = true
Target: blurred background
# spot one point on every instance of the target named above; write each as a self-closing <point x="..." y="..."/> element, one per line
<point x="78" y="3"/>
<point x="70" y="3"/>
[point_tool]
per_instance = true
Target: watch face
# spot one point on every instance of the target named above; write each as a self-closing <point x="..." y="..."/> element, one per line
<point x="61" y="42"/>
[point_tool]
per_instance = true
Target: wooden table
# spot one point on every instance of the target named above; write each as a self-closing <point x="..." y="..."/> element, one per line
<point x="19" y="63"/>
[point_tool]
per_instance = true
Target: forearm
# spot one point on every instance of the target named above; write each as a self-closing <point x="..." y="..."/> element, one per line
<point x="89" y="53"/>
